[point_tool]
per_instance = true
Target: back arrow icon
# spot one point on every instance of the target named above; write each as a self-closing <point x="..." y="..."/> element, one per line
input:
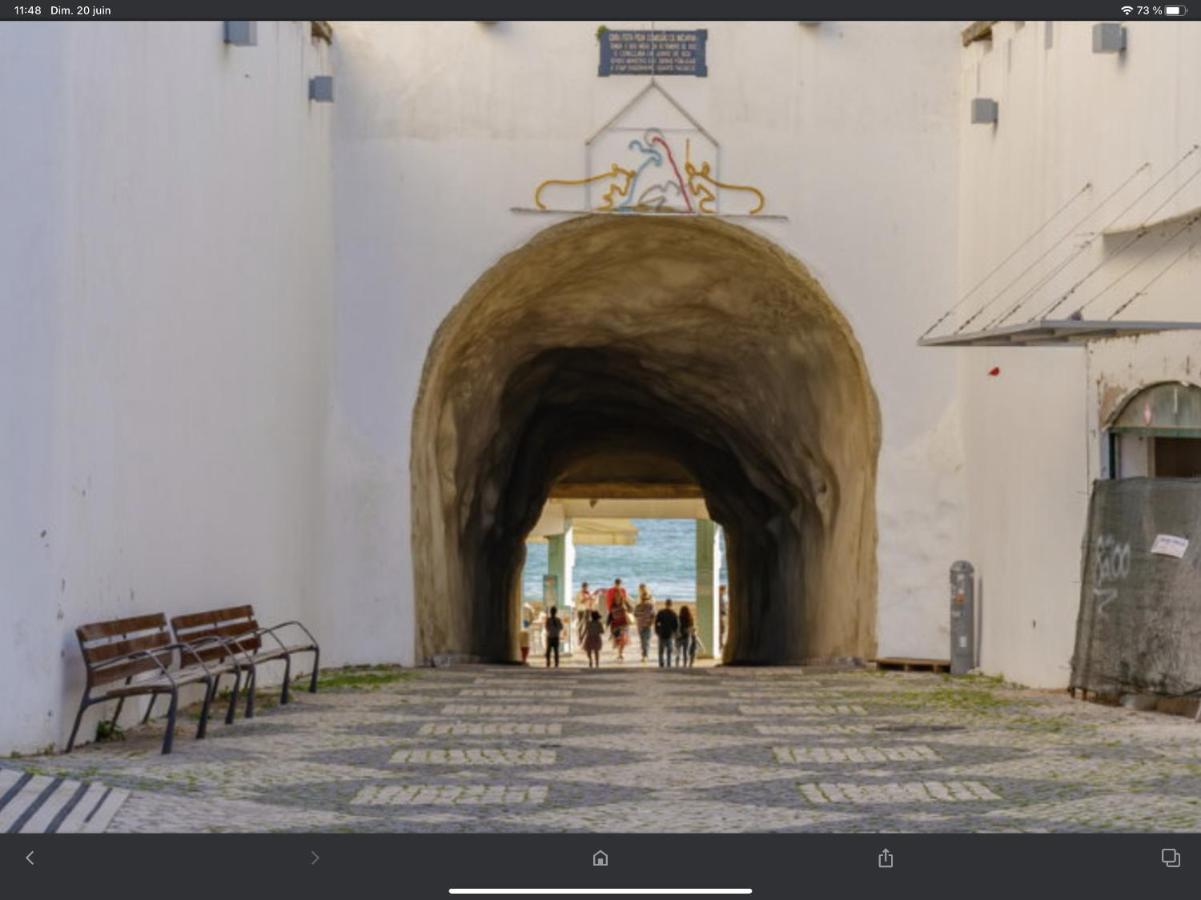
<point x="29" y="857"/>
<point x="316" y="858"/>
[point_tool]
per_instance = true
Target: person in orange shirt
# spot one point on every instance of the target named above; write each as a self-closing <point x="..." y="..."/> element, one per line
<point x="616" y="593"/>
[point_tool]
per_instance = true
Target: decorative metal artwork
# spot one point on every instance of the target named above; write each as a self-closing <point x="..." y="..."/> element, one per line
<point x="657" y="169"/>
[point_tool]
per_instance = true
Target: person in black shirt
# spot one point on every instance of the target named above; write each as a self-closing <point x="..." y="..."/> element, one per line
<point x="667" y="623"/>
<point x="554" y="631"/>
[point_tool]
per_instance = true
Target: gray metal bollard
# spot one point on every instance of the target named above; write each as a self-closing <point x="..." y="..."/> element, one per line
<point x="963" y="619"/>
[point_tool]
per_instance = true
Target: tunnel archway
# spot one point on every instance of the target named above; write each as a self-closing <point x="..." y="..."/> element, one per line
<point x="687" y="338"/>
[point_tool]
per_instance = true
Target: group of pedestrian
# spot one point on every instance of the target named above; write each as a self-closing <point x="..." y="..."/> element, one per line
<point x="678" y="631"/>
<point x="608" y="610"/>
<point x="591" y="626"/>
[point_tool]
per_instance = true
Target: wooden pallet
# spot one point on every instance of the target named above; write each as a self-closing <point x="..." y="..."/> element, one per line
<point x="907" y="664"/>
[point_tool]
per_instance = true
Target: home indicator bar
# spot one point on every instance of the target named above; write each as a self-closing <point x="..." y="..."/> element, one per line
<point x="600" y="892"/>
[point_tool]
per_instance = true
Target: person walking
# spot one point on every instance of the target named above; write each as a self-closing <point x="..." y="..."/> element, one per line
<point x="584" y="604"/>
<point x="583" y="599"/>
<point x="666" y="626"/>
<point x="686" y="641"/>
<point x="644" y="616"/>
<point x="554" y="631"/>
<point x="594" y="639"/>
<point x="684" y="635"/>
<point x="619" y="627"/>
<point x="616" y="594"/>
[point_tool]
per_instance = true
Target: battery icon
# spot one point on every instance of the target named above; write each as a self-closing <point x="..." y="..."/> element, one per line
<point x="1175" y="10"/>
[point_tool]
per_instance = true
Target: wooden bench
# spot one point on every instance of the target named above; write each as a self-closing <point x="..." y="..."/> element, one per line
<point x="234" y="635"/>
<point x="136" y="657"/>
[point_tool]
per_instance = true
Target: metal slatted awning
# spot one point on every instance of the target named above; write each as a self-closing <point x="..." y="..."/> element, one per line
<point x="599" y="532"/>
<point x="1053" y="333"/>
<point x="1056" y="288"/>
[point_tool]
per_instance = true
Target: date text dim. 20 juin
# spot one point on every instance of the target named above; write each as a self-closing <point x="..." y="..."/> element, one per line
<point x="74" y="12"/>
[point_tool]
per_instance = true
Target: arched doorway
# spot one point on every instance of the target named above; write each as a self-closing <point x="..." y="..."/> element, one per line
<point x="683" y="338"/>
<point x="1157" y="433"/>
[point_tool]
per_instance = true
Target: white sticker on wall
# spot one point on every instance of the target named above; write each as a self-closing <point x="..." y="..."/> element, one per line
<point x="1169" y="545"/>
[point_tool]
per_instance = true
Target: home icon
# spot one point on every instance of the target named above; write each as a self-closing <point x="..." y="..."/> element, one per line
<point x="600" y="858"/>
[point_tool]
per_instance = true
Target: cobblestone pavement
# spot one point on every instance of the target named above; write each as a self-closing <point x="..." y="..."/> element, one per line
<point x="630" y="748"/>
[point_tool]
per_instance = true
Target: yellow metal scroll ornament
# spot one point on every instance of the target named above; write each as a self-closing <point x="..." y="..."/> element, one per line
<point x="695" y="182"/>
<point x="617" y="189"/>
<point x="700" y="179"/>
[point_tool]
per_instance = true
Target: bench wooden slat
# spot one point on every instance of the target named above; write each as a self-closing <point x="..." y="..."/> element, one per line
<point x="238" y="633"/>
<point x="98" y="630"/>
<point x="212" y="617"/>
<point x="190" y="621"/>
<point x="233" y="612"/>
<point x="121" y="671"/>
<point x="228" y="630"/>
<point x="240" y="630"/>
<point x="99" y="653"/>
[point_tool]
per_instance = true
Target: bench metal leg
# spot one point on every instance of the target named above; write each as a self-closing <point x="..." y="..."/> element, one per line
<point x="284" y="697"/>
<point x="210" y="688"/>
<point x="251" y="687"/>
<point x="216" y="689"/>
<point x="169" y="736"/>
<point x="233" y="700"/>
<point x="121" y="706"/>
<point x="83" y="705"/>
<point x="316" y="666"/>
<point x="149" y="708"/>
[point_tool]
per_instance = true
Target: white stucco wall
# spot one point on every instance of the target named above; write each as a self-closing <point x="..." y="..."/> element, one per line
<point x="1067" y="117"/>
<point x="164" y="320"/>
<point x="849" y="129"/>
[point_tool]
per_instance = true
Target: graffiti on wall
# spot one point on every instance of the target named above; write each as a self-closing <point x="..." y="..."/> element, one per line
<point x="1111" y="562"/>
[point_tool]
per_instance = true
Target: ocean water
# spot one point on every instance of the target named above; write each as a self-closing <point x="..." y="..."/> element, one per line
<point x="664" y="557"/>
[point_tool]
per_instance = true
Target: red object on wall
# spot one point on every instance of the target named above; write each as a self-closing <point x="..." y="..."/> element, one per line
<point x="995" y="370"/>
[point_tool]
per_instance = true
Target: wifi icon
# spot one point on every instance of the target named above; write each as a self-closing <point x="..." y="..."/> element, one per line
<point x="1127" y="10"/>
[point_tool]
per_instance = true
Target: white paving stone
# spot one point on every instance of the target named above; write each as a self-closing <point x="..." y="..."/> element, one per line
<point x="99" y="820"/>
<point x="78" y="817"/>
<point x="813" y="730"/>
<point x="489" y="729"/>
<point x="23" y="801"/>
<point x="515" y="694"/>
<point x="473" y="756"/>
<point x="896" y="792"/>
<point x="911" y="753"/>
<point x="817" y="709"/>
<point x="449" y="795"/>
<point x="514" y="709"/>
<point x="51" y="807"/>
<point x="8" y="780"/>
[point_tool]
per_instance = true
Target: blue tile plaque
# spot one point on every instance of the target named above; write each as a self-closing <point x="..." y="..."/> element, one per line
<point x="653" y="53"/>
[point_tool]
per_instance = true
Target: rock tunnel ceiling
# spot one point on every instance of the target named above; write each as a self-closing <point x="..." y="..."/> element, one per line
<point x="691" y="340"/>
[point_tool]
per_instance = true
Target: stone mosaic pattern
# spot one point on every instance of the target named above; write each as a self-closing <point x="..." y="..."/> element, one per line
<point x="634" y="748"/>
